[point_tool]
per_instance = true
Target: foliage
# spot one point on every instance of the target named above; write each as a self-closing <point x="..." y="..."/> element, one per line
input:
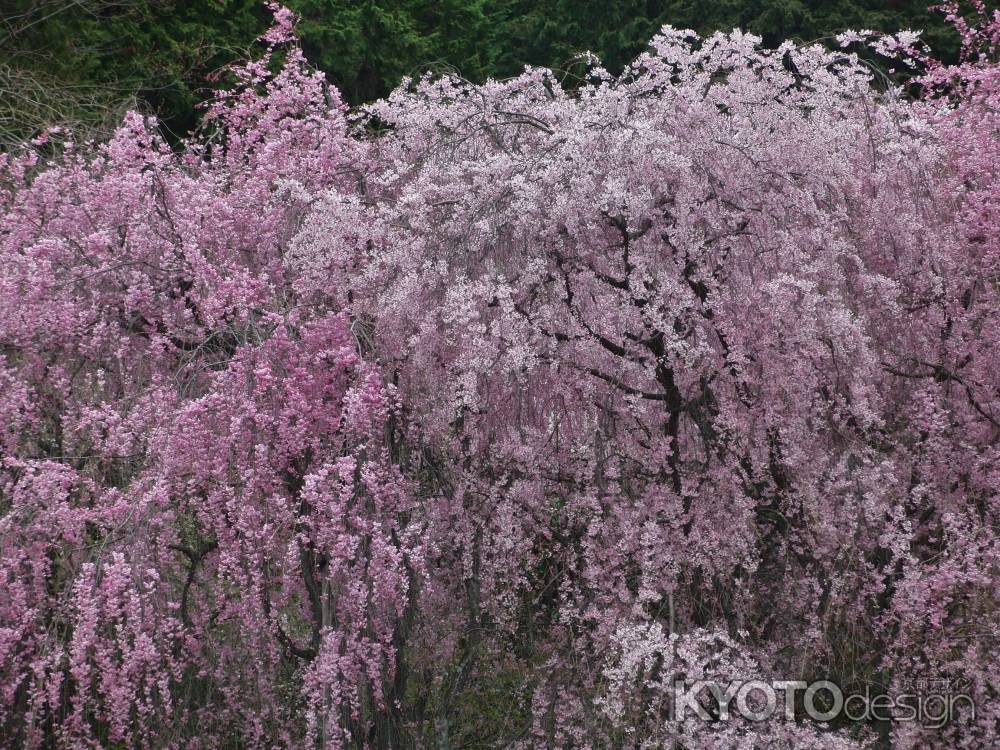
<point x="550" y="32"/>
<point x="158" y="51"/>
<point x="68" y="62"/>
<point x="472" y="420"/>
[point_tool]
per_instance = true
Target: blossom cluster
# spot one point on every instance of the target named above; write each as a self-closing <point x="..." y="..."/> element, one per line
<point x="482" y="414"/>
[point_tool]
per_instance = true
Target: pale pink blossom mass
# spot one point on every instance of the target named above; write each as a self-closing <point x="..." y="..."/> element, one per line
<point x="485" y="412"/>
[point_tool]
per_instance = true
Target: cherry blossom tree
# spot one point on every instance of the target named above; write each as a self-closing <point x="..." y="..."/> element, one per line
<point x="478" y="417"/>
<point x="204" y="536"/>
<point x="689" y="337"/>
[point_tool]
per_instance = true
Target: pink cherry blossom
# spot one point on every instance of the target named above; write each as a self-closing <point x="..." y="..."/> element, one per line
<point x="482" y="414"/>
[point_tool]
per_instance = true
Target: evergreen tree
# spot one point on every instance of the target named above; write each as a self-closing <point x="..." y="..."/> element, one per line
<point x="81" y="62"/>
